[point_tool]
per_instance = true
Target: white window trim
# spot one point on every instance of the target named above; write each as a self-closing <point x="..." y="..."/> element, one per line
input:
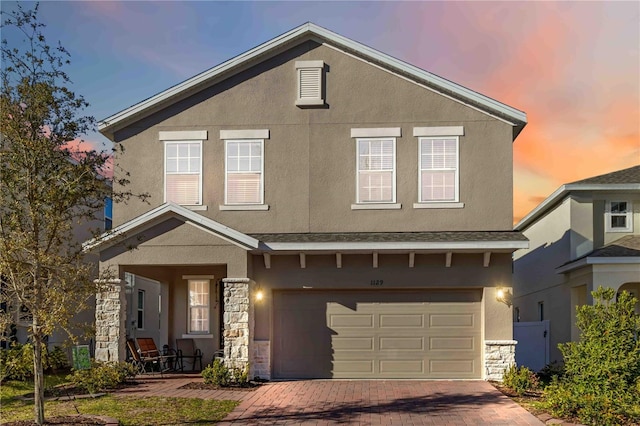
<point x="376" y="132"/>
<point x="189" y="306"/>
<point x="451" y="204"/>
<point x="439" y="131"/>
<point x="376" y="206"/>
<point x="301" y="65"/>
<point x="164" y="175"/>
<point x="608" y="215"/>
<point x="244" y="206"/>
<point x="393" y="179"/>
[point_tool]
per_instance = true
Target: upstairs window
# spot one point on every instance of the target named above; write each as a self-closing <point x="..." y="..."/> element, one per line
<point x="244" y="177"/>
<point x="183" y="177"/>
<point x="619" y="216"/>
<point x="438" y="169"/>
<point x="376" y="170"/>
<point x="108" y="213"/>
<point x="309" y="83"/>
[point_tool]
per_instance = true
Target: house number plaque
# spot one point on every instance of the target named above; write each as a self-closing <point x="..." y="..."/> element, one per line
<point x="377" y="282"/>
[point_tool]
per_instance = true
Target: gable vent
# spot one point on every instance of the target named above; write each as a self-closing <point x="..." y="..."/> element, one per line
<point x="309" y="82"/>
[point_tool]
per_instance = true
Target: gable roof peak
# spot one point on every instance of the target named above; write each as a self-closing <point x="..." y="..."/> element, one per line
<point x="145" y="108"/>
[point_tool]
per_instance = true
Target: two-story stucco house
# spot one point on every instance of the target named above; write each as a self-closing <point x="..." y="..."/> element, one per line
<point x="584" y="235"/>
<point x="321" y="210"/>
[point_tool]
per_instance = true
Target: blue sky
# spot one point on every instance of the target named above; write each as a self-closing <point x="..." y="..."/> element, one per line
<point x="573" y="67"/>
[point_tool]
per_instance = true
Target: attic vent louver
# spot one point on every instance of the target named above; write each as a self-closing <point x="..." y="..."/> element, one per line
<point x="309" y="83"/>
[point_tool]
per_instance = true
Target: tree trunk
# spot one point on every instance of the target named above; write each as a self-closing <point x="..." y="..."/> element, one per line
<point x="38" y="380"/>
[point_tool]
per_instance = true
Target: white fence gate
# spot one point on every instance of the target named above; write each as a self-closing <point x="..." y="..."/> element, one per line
<point x="532" y="349"/>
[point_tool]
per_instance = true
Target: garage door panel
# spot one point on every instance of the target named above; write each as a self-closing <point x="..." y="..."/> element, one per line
<point x="401" y="321"/>
<point x="353" y="321"/>
<point x="414" y="366"/>
<point x="401" y="343"/>
<point x="377" y="334"/>
<point x="452" y="344"/>
<point x="352" y="343"/>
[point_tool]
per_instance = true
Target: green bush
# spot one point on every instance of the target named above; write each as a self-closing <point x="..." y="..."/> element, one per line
<point x="220" y="375"/>
<point x="217" y="374"/>
<point x="102" y="376"/>
<point x="549" y="371"/>
<point x="16" y="363"/>
<point x="602" y="369"/>
<point x="520" y="379"/>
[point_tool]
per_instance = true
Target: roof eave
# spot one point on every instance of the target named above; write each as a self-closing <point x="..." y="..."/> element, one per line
<point x="562" y="192"/>
<point x="398" y="246"/>
<point x="117" y="121"/>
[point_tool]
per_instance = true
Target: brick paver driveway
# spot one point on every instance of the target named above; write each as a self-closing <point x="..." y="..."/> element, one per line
<point x="379" y="402"/>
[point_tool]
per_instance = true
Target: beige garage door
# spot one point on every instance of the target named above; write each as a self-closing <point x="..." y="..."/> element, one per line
<point x="377" y="334"/>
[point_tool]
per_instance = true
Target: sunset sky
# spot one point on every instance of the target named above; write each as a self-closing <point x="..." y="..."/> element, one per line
<point x="573" y="67"/>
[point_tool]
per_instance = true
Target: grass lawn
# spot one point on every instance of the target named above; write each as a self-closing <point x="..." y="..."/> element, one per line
<point x="128" y="410"/>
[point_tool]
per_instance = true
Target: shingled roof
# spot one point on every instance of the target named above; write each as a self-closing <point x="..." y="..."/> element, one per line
<point x="628" y="246"/>
<point x="630" y="175"/>
<point x="358" y="237"/>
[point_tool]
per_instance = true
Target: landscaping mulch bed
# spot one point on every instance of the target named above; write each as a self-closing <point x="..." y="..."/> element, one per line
<point x="251" y="386"/>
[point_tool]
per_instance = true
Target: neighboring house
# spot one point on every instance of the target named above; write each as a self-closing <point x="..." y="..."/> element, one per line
<point x="320" y="210"/>
<point x="584" y="235"/>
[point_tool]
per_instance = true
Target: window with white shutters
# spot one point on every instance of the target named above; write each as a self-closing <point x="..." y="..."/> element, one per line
<point x="183" y="177"/>
<point x="309" y="82"/>
<point x="376" y="170"/>
<point x="244" y="172"/>
<point x="438" y="169"/>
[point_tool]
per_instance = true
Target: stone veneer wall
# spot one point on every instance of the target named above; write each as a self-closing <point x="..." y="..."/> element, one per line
<point x="110" y="323"/>
<point x="238" y="322"/>
<point x="261" y="360"/>
<point x="498" y="356"/>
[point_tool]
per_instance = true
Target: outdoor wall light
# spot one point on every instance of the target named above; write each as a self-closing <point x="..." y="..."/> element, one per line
<point x="259" y="294"/>
<point x="504" y="296"/>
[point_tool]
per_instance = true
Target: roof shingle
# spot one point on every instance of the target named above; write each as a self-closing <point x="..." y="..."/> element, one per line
<point x="448" y="236"/>
<point x="630" y="175"/>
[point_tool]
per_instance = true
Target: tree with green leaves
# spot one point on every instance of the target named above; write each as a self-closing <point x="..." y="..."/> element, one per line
<point x="49" y="189"/>
<point x="601" y="383"/>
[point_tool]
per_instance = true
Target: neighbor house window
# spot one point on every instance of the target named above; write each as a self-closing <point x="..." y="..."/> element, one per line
<point x="619" y="216"/>
<point x="438" y="169"/>
<point x="108" y="213"/>
<point x="141" y="309"/>
<point x="183" y="177"/>
<point x="376" y="170"/>
<point x="244" y="177"/>
<point x="199" y="306"/>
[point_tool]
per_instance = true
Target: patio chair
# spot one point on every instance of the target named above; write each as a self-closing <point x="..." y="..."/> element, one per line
<point x="186" y="349"/>
<point x="149" y="350"/>
<point x="142" y="364"/>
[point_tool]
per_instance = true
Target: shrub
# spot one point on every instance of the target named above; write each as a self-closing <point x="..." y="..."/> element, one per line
<point x="217" y="374"/>
<point x="16" y="363"/>
<point x="220" y="375"/>
<point x="102" y="376"/>
<point x="520" y="379"/>
<point x="602" y="369"/>
<point x="549" y="371"/>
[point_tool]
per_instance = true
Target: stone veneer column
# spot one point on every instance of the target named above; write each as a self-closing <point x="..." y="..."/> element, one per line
<point x="238" y="322"/>
<point x="111" y="305"/>
<point x="498" y="356"/>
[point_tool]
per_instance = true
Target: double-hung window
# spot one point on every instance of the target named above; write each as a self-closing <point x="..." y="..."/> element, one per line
<point x="183" y="172"/>
<point x="619" y="216"/>
<point x="376" y="177"/>
<point x="199" y="306"/>
<point x="244" y="176"/>
<point x="438" y="169"/>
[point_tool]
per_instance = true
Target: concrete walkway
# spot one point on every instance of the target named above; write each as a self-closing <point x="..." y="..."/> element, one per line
<point x="359" y="402"/>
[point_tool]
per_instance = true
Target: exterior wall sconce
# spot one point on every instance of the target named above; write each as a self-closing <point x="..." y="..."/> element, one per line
<point x="259" y="294"/>
<point x="504" y="296"/>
